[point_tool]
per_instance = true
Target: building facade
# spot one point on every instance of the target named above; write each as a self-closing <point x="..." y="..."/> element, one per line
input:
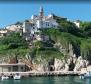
<point x="18" y="67"/>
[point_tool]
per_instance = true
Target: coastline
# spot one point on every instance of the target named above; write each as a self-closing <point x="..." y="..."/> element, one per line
<point x="47" y="73"/>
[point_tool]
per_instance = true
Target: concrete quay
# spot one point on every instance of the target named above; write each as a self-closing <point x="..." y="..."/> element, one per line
<point x="46" y="73"/>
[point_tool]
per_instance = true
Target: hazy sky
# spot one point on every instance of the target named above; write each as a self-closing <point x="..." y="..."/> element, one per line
<point x="11" y="13"/>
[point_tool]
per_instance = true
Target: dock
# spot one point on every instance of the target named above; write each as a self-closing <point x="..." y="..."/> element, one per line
<point x="46" y="73"/>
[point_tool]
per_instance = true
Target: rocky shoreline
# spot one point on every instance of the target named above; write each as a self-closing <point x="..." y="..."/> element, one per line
<point x="73" y="66"/>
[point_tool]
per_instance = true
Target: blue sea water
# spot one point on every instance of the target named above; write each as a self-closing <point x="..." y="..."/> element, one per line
<point x="49" y="80"/>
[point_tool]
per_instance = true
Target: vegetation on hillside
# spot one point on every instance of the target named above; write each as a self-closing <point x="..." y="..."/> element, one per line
<point x="13" y="45"/>
<point x="67" y="33"/>
<point x="79" y="37"/>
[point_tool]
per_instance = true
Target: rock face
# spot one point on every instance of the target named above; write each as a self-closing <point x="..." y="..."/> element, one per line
<point x="58" y="64"/>
<point x="80" y="63"/>
<point x="71" y="64"/>
<point x="40" y="67"/>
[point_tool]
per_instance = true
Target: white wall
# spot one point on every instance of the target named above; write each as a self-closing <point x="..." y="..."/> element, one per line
<point x="26" y="27"/>
<point x="77" y="24"/>
<point x="46" y="24"/>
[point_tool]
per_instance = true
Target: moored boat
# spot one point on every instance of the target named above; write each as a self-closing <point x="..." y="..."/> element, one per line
<point x="17" y="76"/>
<point x="4" y="77"/>
<point x="85" y="75"/>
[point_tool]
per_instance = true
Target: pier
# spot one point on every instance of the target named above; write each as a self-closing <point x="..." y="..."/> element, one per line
<point x="46" y="73"/>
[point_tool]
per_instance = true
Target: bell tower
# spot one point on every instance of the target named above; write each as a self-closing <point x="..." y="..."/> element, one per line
<point x="41" y="13"/>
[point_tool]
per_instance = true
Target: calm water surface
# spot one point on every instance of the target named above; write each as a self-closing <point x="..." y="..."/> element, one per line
<point x="49" y="80"/>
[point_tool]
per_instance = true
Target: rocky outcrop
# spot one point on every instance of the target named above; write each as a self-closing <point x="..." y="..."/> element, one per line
<point x="80" y="63"/>
<point x="59" y="64"/>
<point x="70" y="64"/>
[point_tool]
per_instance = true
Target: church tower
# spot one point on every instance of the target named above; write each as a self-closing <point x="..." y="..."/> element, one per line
<point x="41" y="13"/>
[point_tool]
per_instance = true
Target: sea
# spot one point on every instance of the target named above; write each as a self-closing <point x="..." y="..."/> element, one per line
<point x="48" y="80"/>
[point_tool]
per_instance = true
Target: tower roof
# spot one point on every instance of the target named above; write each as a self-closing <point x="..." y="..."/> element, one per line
<point x="41" y="13"/>
<point x="41" y="9"/>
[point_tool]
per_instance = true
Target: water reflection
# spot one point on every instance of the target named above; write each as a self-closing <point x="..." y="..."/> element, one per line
<point x="16" y="81"/>
<point x="88" y="81"/>
<point x="49" y="80"/>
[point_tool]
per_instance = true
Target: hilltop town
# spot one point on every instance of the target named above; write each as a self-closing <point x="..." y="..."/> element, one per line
<point x="30" y="27"/>
<point x="45" y="43"/>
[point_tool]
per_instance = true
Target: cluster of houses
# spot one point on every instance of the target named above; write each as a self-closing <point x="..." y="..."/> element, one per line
<point x="29" y="27"/>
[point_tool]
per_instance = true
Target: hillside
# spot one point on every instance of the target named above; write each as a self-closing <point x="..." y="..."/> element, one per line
<point x="63" y="42"/>
<point x="13" y="45"/>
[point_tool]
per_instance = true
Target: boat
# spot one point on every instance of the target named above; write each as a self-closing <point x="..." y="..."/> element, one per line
<point x="4" y="77"/>
<point x="85" y="75"/>
<point x="17" y="76"/>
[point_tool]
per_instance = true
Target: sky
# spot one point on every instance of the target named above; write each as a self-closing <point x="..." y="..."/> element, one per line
<point x="10" y="13"/>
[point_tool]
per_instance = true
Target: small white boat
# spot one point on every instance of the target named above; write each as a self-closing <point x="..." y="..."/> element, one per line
<point x="17" y="77"/>
<point x="4" y="77"/>
<point x="86" y="75"/>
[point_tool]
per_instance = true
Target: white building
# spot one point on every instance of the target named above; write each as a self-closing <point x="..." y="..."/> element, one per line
<point x="14" y="27"/>
<point x="39" y="22"/>
<point x="77" y="23"/>
<point x="3" y="32"/>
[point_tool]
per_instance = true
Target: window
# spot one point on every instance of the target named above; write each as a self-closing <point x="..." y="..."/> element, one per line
<point x="48" y="24"/>
<point x="22" y="68"/>
<point x="33" y="28"/>
<point x="15" y="68"/>
<point x="41" y="23"/>
<point x="9" y="68"/>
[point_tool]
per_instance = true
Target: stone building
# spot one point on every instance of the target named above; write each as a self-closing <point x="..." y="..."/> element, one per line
<point x="18" y="67"/>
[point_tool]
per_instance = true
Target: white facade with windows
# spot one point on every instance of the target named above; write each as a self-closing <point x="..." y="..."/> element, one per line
<point x="39" y="22"/>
